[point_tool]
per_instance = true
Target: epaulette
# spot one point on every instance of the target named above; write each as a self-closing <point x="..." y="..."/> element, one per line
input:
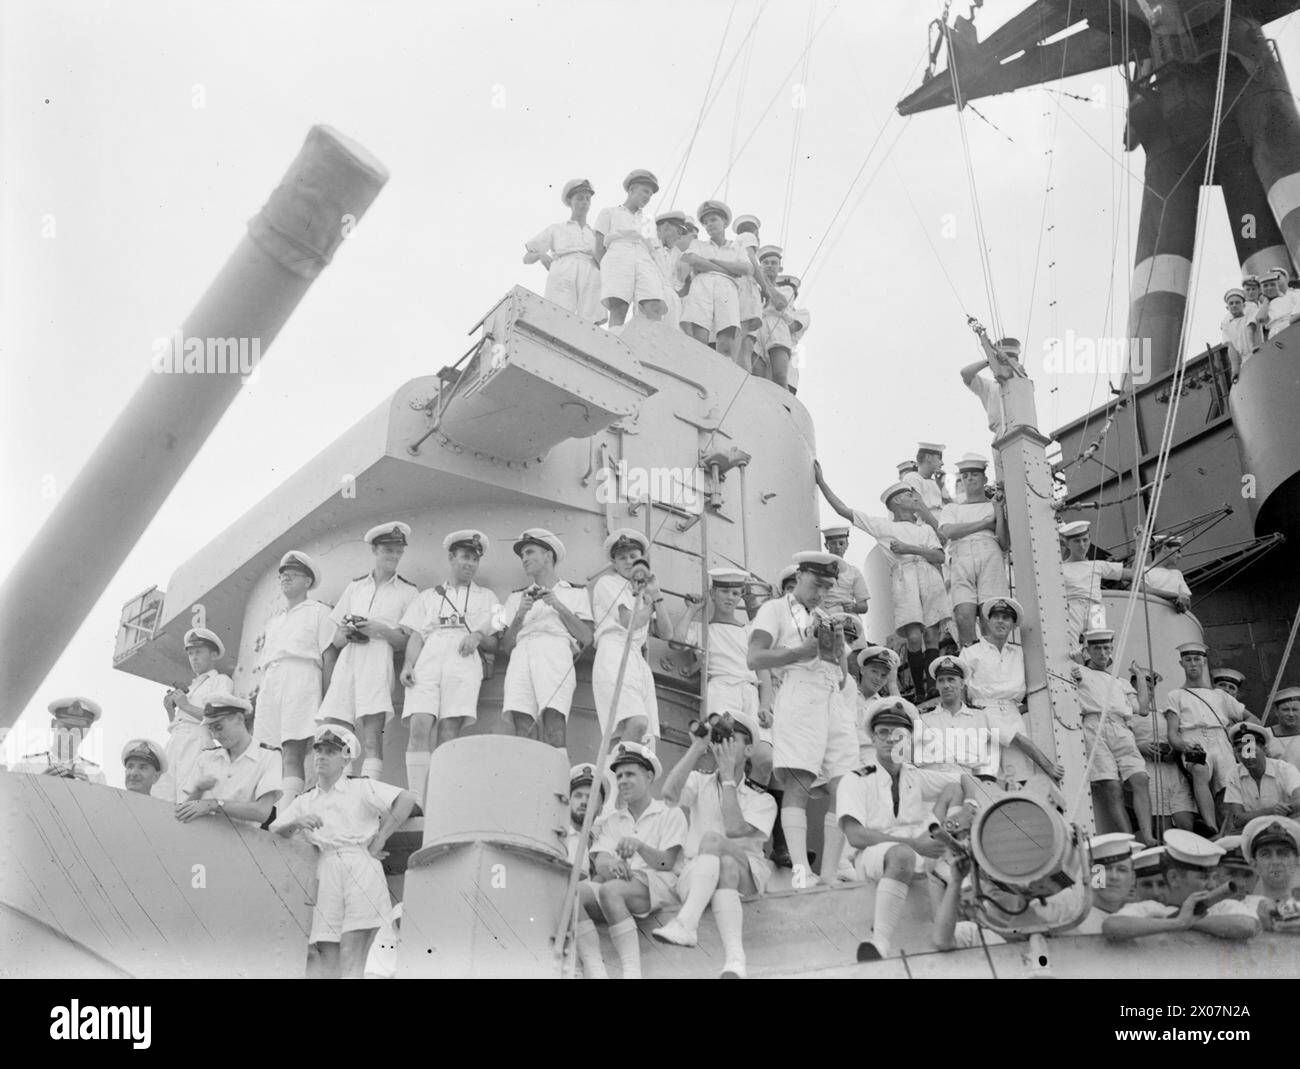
<point x="349" y="776"/>
<point x="575" y="586"/>
<point x="29" y="756"/>
<point x="358" y="578"/>
<point x="755" y="785"/>
<point x="865" y="771"/>
<point x="407" y="581"/>
<point x="266" y="747"/>
<point x="521" y="589"/>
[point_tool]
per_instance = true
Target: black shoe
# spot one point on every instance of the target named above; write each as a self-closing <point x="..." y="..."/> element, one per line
<point x="781" y="859"/>
<point x="867" y="952"/>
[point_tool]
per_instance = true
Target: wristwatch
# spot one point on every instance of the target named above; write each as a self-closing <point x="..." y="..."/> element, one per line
<point x="221" y="804"/>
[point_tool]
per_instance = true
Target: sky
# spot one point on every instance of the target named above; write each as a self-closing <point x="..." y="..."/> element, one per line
<point x="138" y="139"/>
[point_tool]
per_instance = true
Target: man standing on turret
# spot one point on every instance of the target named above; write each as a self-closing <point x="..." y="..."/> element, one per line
<point x="849" y="594"/>
<point x="186" y="734"/>
<point x="976" y="534"/>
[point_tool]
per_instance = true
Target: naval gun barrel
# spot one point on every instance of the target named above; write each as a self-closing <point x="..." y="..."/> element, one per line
<point x="326" y="189"/>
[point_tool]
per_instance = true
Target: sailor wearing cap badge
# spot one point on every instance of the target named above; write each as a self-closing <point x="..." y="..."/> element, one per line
<point x="297" y="636"/>
<point x="775" y="343"/>
<point x="1083" y="605"/>
<point x="975" y="531"/>
<point x="1271" y="846"/>
<point x="876" y="679"/>
<point x="1264" y="786"/>
<point x="915" y="555"/>
<point x="367" y="619"/>
<point x="143" y="761"/>
<point x="712" y="306"/>
<point x="627" y="598"/>
<point x="449" y="627"/>
<point x="71" y="721"/>
<point x="1189" y="864"/>
<point x="582" y="780"/>
<point x="953" y="737"/>
<point x="635" y="856"/>
<point x="186" y="735"/>
<point x="731" y="817"/>
<point x="567" y="251"/>
<point x="545" y="625"/>
<point x="348" y="821"/>
<point x="628" y="272"/>
<point x="674" y="239"/>
<point x="849" y="594"/>
<point x="1286" y="730"/>
<point x="1199" y="716"/>
<point x="237" y="776"/>
<point x="815" y="731"/>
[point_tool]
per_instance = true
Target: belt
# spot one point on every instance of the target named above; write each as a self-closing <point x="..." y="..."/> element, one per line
<point x="574" y="252"/>
<point x="345" y="848"/>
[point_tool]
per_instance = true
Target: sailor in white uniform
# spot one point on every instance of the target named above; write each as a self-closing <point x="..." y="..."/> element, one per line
<point x="628" y="272"/>
<point x="368" y="621"/>
<point x="849" y="594"/>
<point x="545" y="624"/>
<point x="143" y="761"/>
<point x="567" y="251"/>
<point x="186" y="735"/>
<point x="746" y="228"/>
<point x="1189" y="867"/>
<point x="349" y="821"/>
<point x="975" y="533"/>
<point x="1083" y="605"/>
<point x="775" y="343"/>
<point x="1241" y="331"/>
<point x="1003" y="359"/>
<point x="72" y="719"/>
<point x="1286" y="730"/>
<point x="667" y="252"/>
<point x="1279" y="306"/>
<point x="238" y="777"/>
<point x="582" y="779"/>
<point x="712" y="306"/>
<point x="1264" y="786"/>
<point x="297" y="636"/>
<point x="1271" y="845"/>
<point x="449" y="626"/>
<point x="927" y="479"/>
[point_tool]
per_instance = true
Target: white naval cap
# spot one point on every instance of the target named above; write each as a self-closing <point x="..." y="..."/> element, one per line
<point x="714" y="207"/>
<point x="949" y="664"/>
<point x="634" y="753"/>
<point x="75" y="706"/>
<point x="393" y="533"/>
<point x="540" y="536"/>
<point x="770" y="250"/>
<point x="727" y="577"/>
<point x="746" y="220"/>
<point x="1286" y="694"/>
<point x="1229" y="674"/>
<point x="841" y="531"/>
<point x="1192" y="647"/>
<point x="221" y="704"/>
<point x="575" y="185"/>
<point x="827" y="565"/>
<point x="1098" y="634"/>
<point x="640" y="174"/>
<point x="972" y="462"/>
<point x="1074" y="528"/>
<point x="746" y="721"/>
<point x="195" y="635"/>
<point x="1249" y="727"/>
<point x="930" y="447"/>
<point x="1112" y="846"/>
<point x="1149" y="862"/>
<point x="1007" y="603"/>
<point x="146" y="749"/>
<point x="1191" y="850"/>
<point x="877" y="653"/>
<point x="906" y="466"/>
<point x="1269" y="829"/>
<point x="892" y="491"/>
<point x="298" y="561"/>
<point x="626" y="538"/>
<point x="467" y="539"/>
<point x="894" y="710"/>
<point x="785" y="573"/>
<point x="1234" y="292"/>
<point x="338" y="736"/>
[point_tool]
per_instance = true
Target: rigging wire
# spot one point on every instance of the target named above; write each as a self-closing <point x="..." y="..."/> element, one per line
<point x="787" y="207"/>
<point x="740" y="98"/>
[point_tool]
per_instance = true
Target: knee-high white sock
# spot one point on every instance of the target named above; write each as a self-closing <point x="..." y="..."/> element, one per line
<point x="701" y="882"/>
<point x="832" y="846"/>
<point x="372" y="767"/>
<point x="891" y="897"/>
<point x="626" y="942"/>
<point x="593" y="965"/>
<point x="728" y="917"/>
<point x="417" y="774"/>
<point x="795" y="823"/>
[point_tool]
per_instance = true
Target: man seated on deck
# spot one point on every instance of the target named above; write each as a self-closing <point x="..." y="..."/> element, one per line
<point x="1189" y="872"/>
<point x="582" y="780"/>
<point x="143" y="761"/>
<point x="1264" y="786"/>
<point x="1149" y="874"/>
<point x="1271" y="845"/>
<point x="887" y="812"/>
<point x="349" y="821"/>
<point x="237" y="776"/>
<point x="635" y="859"/>
<point x="953" y="737"/>
<point x="731" y="818"/>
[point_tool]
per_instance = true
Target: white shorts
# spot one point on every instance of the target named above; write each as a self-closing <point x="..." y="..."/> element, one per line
<point x="184" y="744"/>
<point x="1169" y="789"/>
<point x="352" y="895"/>
<point x="774" y="333"/>
<point x="637" y="697"/>
<point x="870" y="862"/>
<point x="751" y="304"/>
<point x="629" y="273"/>
<point x="1117" y="757"/>
<point x="362" y="684"/>
<point x="712" y="303"/>
<point x="1219" y="758"/>
<point x="760" y="871"/>
<point x="662" y="887"/>
<point x="976" y="571"/>
<point x="573" y="282"/>
<point x="919" y="595"/>
<point x="288" y="701"/>
<point x="540" y="676"/>
<point x="446" y="683"/>
<point x="736" y="696"/>
<point x="815" y="729"/>
<point x="1005" y="719"/>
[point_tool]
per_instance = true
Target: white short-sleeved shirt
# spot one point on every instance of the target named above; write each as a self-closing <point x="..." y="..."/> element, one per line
<point x="254" y="773"/>
<point x="659" y="827"/>
<point x="728" y="252"/>
<point x="1203" y="707"/>
<point x="1280" y="780"/>
<point x="926" y="489"/>
<point x="728" y="650"/>
<point x="352" y="811"/>
<point x="1102" y="692"/>
<point x="789" y="623"/>
<point x="560" y="239"/>
<point x="702" y="795"/>
<point x="454" y="608"/>
<point x="385" y="602"/>
<point x="541" y="618"/>
<point x="1288" y="748"/>
<point x="961" y="741"/>
<point x="990" y="394"/>
<point x="1237" y="332"/>
<point x="913" y="533"/>
<point x="1083" y="578"/>
<point x="850" y="587"/>
<point x="302" y="632"/>
<point x="610" y="593"/>
<point x="1280" y="310"/>
<point x="619" y="224"/>
<point x="668" y="258"/>
<point x="201" y="688"/>
<point x="969" y="512"/>
<point x="996" y="675"/>
<point x="1228" y="907"/>
<point x="1166" y="581"/>
<point x="867" y="797"/>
